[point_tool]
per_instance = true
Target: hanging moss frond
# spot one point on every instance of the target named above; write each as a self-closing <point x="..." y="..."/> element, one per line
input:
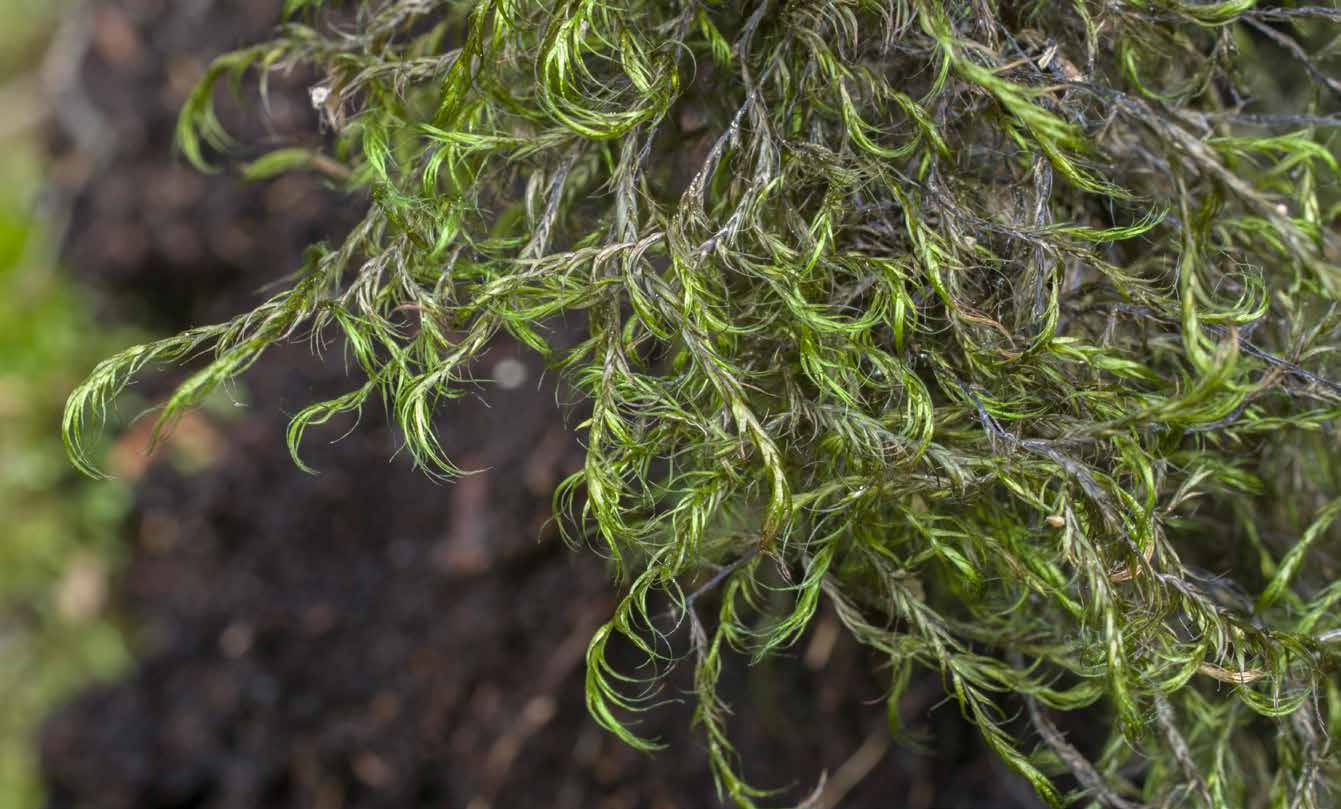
<point x="1008" y="329"/>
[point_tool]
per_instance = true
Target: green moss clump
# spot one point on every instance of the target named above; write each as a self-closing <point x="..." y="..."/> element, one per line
<point x="1007" y="328"/>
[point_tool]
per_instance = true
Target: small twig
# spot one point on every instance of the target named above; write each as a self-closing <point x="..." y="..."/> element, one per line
<point x="1290" y="13"/>
<point x="1225" y="675"/>
<point x="1272" y="119"/>
<point x="855" y="770"/>
<point x="1164" y="714"/>
<point x="822" y="643"/>
<point x="1296" y="50"/>
<point x="1075" y="761"/>
<point x="720" y="576"/>
<point x="330" y="167"/>
<point x="538" y="711"/>
<point x="717" y="578"/>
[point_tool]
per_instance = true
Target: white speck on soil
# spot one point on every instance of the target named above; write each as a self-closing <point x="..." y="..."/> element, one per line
<point x="510" y="373"/>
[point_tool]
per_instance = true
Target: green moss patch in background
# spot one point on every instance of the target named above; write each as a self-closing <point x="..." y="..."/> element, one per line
<point x="59" y="534"/>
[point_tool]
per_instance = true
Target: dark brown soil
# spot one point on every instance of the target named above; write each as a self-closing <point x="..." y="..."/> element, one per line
<point x="366" y="637"/>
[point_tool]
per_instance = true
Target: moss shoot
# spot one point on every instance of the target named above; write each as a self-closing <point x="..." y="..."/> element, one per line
<point x="1007" y="329"/>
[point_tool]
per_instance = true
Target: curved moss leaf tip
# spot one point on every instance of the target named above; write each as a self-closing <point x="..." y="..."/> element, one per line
<point x="1005" y="331"/>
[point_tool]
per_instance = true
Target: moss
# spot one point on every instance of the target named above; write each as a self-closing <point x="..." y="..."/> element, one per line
<point x="995" y="325"/>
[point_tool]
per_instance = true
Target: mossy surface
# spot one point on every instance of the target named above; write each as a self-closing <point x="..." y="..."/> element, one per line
<point x="1005" y="328"/>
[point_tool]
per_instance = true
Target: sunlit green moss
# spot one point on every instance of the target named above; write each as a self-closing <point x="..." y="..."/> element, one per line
<point x="1005" y="328"/>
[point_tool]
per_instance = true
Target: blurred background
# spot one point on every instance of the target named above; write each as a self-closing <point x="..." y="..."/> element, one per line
<point x="213" y="628"/>
<point x="60" y="545"/>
